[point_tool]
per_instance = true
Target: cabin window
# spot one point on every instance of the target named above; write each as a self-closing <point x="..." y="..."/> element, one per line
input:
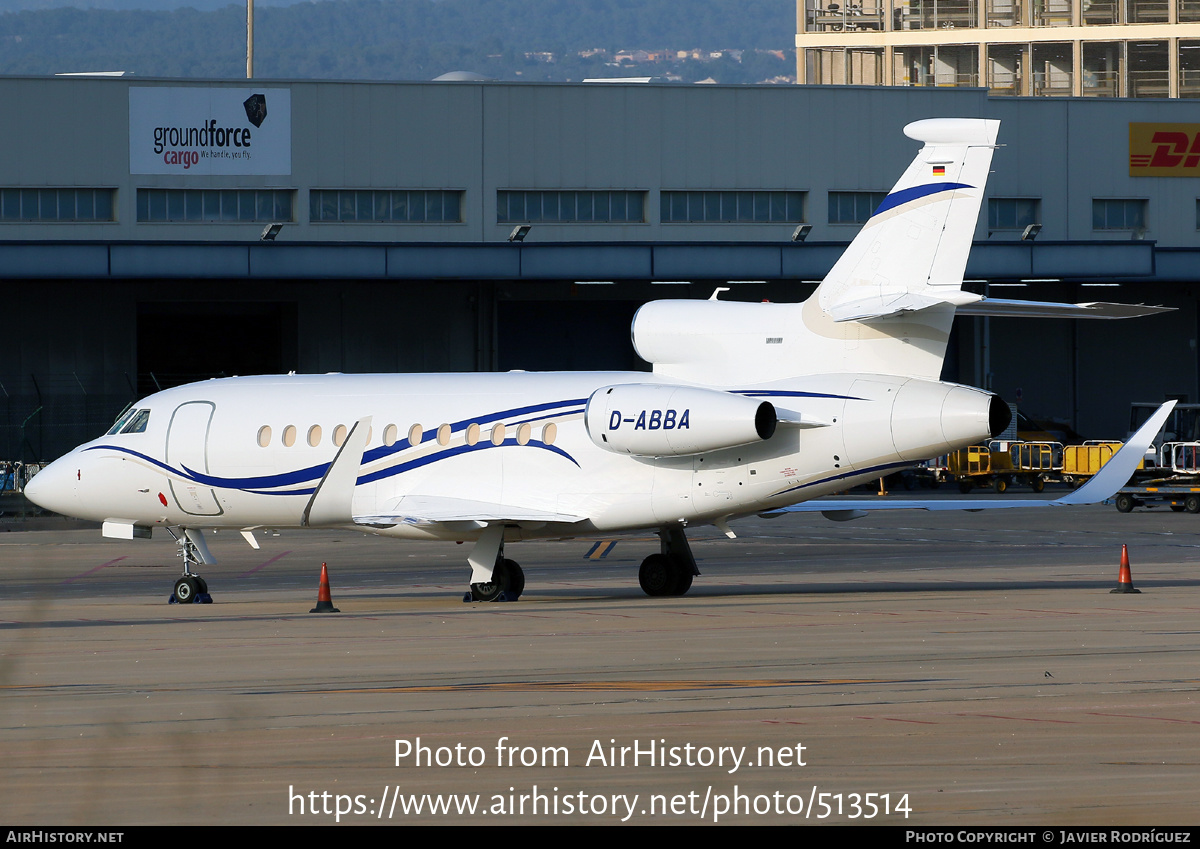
<point x="289" y="436"/>
<point x="549" y="433"/>
<point x="314" y="436"/>
<point x="443" y="435"/>
<point x="472" y="433"/>
<point x="264" y="436"/>
<point x="339" y="435"/>
<point x="498" y="434"/>
<point x="389" y="435"/>
<point x="415" y="435"/>
<point x="523" y="433"/>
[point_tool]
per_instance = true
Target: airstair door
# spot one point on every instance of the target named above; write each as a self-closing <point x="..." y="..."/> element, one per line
<point x="187" y="452"/>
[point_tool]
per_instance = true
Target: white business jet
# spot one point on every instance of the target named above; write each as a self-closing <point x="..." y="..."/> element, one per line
<point x="752" y="408"/>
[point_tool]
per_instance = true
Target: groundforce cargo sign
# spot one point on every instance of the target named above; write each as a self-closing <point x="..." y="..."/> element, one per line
<point x="210" y="131"/>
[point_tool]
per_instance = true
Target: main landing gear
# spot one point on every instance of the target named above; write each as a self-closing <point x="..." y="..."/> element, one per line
<point x="493" y="577"/>
<point x="191" y="588"/>
<point x="669" y="572"/>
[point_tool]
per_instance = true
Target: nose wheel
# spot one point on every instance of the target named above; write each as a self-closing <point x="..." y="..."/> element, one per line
<point x="191" y="588"/>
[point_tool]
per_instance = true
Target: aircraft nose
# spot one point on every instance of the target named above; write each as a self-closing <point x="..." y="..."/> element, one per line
<point x="53" y="488"/>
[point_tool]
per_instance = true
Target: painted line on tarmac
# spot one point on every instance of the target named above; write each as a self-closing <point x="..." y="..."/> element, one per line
<point x="96" y="569"/>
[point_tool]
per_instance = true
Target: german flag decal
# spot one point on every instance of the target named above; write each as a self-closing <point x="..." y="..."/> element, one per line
<point x="939" y="170"/>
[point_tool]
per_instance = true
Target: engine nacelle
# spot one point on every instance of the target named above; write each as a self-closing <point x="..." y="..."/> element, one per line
<point x="650" y="420"/>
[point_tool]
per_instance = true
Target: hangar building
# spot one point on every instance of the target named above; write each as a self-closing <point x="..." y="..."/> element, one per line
<point x="132" y="213"/>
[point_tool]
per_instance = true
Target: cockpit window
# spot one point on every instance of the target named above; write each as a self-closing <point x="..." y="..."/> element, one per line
<point x="121" y="421"/>
<point x="137" y="424"/>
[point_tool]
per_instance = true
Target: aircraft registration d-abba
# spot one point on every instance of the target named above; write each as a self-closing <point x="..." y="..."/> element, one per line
<point x="751" y="408"/>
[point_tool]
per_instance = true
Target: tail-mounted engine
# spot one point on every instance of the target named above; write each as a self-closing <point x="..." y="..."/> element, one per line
<point x="651" y="420"/>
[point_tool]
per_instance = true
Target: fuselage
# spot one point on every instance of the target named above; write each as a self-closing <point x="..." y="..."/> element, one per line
<point x="248" y="452"/>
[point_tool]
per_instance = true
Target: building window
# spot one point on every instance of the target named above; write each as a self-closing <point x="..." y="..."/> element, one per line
<point x="18" y="204"/>
<point x="574" y="207"/>
<point x="1118" y="214"/>
<point x="726" y="207"/>
<point x="853" y="207"/>
<point x="386" y="206"/>
<point x="225" y="205"/>
<point x="1013" y="213"/>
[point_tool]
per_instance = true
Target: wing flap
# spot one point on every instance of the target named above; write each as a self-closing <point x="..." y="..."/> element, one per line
<point x="435" y="510"/>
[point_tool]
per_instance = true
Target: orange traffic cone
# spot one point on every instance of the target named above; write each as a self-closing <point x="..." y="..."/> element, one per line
<point x="1125" y="578"/>
<point x="325" y="602"/>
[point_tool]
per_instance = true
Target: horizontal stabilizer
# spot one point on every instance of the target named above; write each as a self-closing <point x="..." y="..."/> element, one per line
<point x="1001" y="308"/>
<point x="884" y="305"/>
<point x="433" y="510"/>
<point x="1104" y="485"/>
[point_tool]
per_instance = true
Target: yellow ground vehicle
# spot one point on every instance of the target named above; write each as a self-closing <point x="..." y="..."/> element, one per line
<point x="1001" y="463"/>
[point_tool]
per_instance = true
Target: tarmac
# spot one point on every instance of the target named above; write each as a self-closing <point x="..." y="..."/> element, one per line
<point x="907" y="668"/>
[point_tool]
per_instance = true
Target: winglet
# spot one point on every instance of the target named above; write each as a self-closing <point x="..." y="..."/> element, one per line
<point x="1116" y="472"/>
<point x="332" y="500"/>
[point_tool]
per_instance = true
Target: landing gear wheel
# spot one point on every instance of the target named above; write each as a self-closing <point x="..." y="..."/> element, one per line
<point x="1038" y="484"/>
<point x="1001" y="484"/>
<point x="657" y="576"/>
<point x="1192" y="503"/>
<point x="1124" y="503"/>
<point x="515" y="578"/>
<point x="486" y="592"/>
<point x="186" y="589"/>
<point x="507" y="578"/>
<point x="685" y="581"/>
<point x="201" y="584"/>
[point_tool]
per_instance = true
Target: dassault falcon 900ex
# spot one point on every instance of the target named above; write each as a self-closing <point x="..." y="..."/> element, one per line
<point x="751" y="408"/>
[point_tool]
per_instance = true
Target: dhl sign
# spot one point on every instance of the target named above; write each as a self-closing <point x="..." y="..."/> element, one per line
<point x="1164" y="150"/>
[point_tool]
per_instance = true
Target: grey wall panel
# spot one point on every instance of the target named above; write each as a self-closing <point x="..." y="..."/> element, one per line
<point x="180" y="261"/>
<point x="325" y="261"/>
<point x="807" y="261"/>
<point x="53" y="260"/>
<point x="454" y="262"/>
<point x="1103" y="259"/>
<point x="587" y="262"/>
<point x="1000" y="261"/>
<point x="717" y="262"/>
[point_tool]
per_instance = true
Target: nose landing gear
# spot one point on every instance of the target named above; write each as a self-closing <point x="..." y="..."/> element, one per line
<point x="191" y="588"/>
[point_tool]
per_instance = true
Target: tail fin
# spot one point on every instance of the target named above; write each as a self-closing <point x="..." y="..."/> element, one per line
<point x="886" y="307"/>
<point x="912" y="252"/>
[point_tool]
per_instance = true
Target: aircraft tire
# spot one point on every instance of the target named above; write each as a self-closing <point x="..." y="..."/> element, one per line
<point x="513" y="578"/>
<point x="489" y="591"/>
<point x="185" y="590"/>
<point x="658" y="576"/>
<point x="683" y="581"/>
<point x="201" y="584"/>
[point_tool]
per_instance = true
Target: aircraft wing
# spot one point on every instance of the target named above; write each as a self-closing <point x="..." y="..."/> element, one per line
<point x="1104" y="484"/>
<point x="439" y="509"/>
<point x="1002" y="308"/>
<point x="883" y="304"/>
